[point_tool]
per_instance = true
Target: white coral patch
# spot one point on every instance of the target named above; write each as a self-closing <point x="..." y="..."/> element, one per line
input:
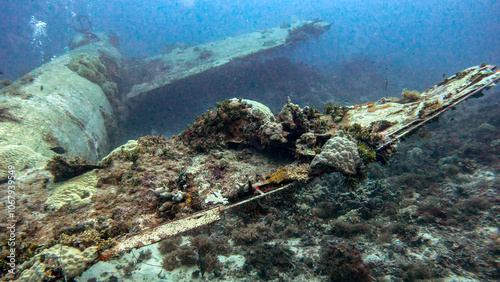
<point x="216" y="198"/>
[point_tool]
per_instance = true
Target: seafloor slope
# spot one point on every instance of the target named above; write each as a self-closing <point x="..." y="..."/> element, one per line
<point x="430" y="214"/>
<point x="328" y="222"/>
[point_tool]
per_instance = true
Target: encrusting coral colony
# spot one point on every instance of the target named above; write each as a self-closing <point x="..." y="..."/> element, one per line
<point x="249" y="181"/>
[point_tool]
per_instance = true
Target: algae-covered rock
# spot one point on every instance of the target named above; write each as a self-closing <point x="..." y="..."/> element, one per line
<point x="235" y="121"/>
<point x="273" y="131"/>
<point x="63" y="169"/>
<point x="128" y="151"/>
<point x="308" y="145"/>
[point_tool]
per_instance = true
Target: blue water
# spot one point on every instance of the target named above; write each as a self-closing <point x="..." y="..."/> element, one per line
<point x="418" y="41"/>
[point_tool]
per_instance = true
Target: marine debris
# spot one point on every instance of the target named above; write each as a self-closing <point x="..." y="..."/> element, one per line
<point x="403" y="116"/>
<point x="184" y="62"/>
<point x="154" y="188"/>
<point x="63" y="169"/>
<point x="373" y="126"/>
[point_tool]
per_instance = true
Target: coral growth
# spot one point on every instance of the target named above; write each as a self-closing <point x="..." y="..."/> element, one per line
<point x="202" y="252"/>
<point x="269" y="260"/>
<point x="436" y="197"/>
<point x="89" y="67"/>
<point x="342" y="263"/>
<point x="87" y="239"/>
<point x="338" y="154"/>
<point x="6" y="82"/>
<point x="337" y="112"/>
<point x="231" y="121"/>
<point x="58" y="263"/>
<point x="288" y="174"/>
<point x="408" y="96"/>
<point x="94" y="69"/>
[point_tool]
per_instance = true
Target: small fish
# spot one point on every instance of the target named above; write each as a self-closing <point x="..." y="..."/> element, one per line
<point x="59" y="150"/>
<point x="41" y="88"/>
<point x="1" y="72"/>
<point x="444" y="74"/>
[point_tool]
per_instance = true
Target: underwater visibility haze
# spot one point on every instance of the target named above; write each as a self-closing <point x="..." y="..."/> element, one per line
<point x="198" y="140"/>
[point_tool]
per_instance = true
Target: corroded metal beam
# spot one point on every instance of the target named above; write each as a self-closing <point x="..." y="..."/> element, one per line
<point x="178" y="226"/>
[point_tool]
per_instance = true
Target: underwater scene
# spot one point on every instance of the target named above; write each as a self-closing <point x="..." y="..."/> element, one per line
<point x="216" y="140"/>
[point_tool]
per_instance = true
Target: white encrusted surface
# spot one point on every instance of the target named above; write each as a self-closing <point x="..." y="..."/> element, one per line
<point x="161" y="232"/>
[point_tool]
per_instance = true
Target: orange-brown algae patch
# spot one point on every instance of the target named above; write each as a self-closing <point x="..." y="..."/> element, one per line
<point x="375" y="108"/>
<point x="106" y="255"/>
<point x="365" y="105"/>
<point x="139" y="245"/>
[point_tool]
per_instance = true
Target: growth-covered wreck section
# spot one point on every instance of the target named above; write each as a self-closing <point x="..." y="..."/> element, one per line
<point x="73" y="105"/>
<point x="67" y="107"/>
<point x="185" y="61"/>
<point x="153" y="188"/>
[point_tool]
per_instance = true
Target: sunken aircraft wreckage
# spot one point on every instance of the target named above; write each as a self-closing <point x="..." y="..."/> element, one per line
<point x="58" y="121"/>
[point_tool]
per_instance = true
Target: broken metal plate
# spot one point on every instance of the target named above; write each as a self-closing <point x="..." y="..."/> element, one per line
<point x="156" y="234"/>
<point x="401" y="118"/>
<point x="184" y="62"/>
